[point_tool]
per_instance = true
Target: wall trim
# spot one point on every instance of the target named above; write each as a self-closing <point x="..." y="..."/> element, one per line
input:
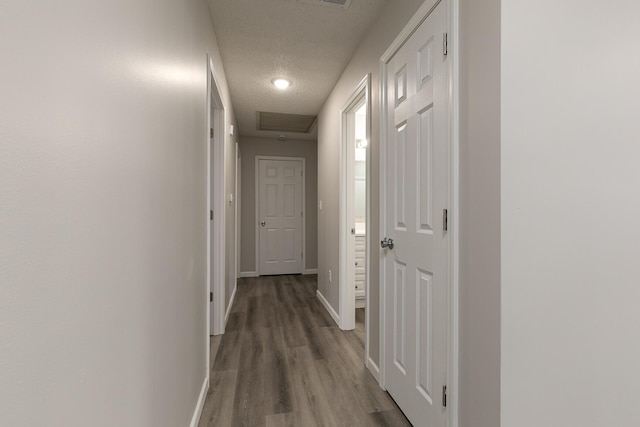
<point x="248" y="274"/>
<point x="195" y="419"/>
<point x="326" y="305"/>
<point x="231" y="300"/>
<point x="311" y="271"/>
<point x="373" y="368"/>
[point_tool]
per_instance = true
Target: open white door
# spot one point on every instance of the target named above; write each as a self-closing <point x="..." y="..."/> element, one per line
<point x="416" y="264"/>
<point x="280" y="215"/>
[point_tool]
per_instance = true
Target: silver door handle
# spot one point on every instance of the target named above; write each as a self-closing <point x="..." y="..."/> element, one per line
<point x="386" y="243"/>
<point x="262" y="223"/>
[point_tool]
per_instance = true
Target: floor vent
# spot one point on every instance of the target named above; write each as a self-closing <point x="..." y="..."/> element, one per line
<point x="343" y="4"/>
<point x="285" y="122"/>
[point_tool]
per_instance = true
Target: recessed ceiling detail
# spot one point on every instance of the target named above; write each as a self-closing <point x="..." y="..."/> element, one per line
<point x="311" y="45"/>
<point x="282" y="122"/>
<point x="344" y="4"/>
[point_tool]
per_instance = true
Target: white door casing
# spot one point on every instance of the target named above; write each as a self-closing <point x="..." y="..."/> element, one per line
<point x="416" y="271"/>
<point x="280" y="216"/>
<point x="347" y="305"/>
<point x="215" y="200"/>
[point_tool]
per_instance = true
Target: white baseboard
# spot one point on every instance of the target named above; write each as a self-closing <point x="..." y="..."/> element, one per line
<point x="373" y="368"/>
<point x="311" y="271"/>
<point x="330" y="309"/>
<point x="233" y="297"/>
<point x="195" y="420"/>
<point x="248" y="274"/>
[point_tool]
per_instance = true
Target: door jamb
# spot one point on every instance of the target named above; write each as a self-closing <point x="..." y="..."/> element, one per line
<point x="257" y="208"/>
<point x="215" y="173"/>
<point x="453" y="18"/>
<point x="360" y="95"/>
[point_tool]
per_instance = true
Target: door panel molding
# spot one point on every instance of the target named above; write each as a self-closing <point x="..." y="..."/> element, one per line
<point x="427" y="219"/>
<point x="258" y="158"/>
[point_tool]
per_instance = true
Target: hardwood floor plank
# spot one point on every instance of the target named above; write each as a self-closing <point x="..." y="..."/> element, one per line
<point x="364" y="386"/>
<point x="248" y="408"/>
<point x="345" y="407"/>
<point x="291" y="326"/>
<point x="312" y="404"/>
<point x="228" y="352"/>
<point x="284" y="420"/>
<point x="314" y="337"/>
<point x="278" y="385"/>
<point x="218" y="407"/>
<point x="393" y="418"/>
<point x="214" y="345"/>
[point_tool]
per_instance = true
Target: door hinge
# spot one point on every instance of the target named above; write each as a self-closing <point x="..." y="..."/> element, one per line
<point x="211" y="215"/>
<point x="445" y="219"/>
<point x="210" y="296"/>
<point x="210" y="132"/>
<point x="444" y="396"/>
<point x="445" y="44"/>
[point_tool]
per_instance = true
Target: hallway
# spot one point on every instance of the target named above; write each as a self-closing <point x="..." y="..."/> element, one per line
<point x="284" y="362"/>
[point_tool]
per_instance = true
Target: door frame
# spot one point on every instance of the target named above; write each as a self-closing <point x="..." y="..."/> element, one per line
<point x="347" y="304"/>
<point x="215" y="179"/>
<point x="238" y="207"/>
<point x="453" y="7"/>
<point x="257" y="209"/>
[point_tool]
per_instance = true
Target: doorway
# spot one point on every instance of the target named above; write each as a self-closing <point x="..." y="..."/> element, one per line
<point x="418" y="184"/>
<point x="280" y="215"/>
<point x="215" y="201"/>
<point x="355" y="173"/>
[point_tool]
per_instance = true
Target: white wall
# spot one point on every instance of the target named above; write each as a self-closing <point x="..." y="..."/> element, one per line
<point x="255" y="146"/>
<point x="103" y="211"/>
<point x="570" y="208"/>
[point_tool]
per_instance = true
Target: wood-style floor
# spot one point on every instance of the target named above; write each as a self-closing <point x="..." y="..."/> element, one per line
<point x="284" y="362"/>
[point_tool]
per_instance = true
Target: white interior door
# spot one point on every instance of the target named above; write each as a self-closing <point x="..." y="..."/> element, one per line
<point x="280" y="216"/>
<point x="417" y="184"/>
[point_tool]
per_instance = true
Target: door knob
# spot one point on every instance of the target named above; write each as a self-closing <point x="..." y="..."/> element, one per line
<point x="386" y="243"/>
<point x="262" y="223"/>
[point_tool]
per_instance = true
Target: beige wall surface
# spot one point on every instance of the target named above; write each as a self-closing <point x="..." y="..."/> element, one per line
<point x="479" y="209"/>
<point x="570" y="209"/>
<point x="250" y="147"/>
<point x="393" y="17"/>
<point x="103" y="220"/>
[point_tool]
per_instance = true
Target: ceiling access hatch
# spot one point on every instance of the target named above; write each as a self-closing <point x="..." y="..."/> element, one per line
<point x="343" y="4"/>
<point x="282" y="122"/>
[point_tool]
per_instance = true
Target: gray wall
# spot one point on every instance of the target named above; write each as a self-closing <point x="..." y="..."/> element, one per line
<point x="366" y="59"/>
<point x="103" y="216"/>
<point x="250" y="147"/>
<point x="480" y="213"/>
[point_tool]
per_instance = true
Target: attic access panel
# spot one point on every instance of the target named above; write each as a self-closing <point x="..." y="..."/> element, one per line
<point x="282" y="122"/>
<point x="343" y="4"/>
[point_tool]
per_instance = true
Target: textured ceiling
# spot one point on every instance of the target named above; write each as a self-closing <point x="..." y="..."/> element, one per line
<point x="308" y="44"/>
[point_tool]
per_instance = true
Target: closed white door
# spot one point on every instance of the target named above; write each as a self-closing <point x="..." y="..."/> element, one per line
<point x="280" y="216"/>
<point x="416" y="268"/>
